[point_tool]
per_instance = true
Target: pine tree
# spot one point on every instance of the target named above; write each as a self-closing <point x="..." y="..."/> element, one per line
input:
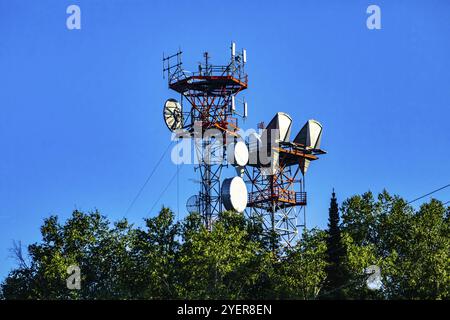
<point x="336" y="271"/>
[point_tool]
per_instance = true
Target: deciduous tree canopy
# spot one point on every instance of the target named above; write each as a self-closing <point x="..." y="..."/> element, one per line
<point x="170" y="259"/>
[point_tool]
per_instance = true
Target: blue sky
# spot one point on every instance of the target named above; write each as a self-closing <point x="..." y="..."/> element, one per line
<point x="81" y="111"/>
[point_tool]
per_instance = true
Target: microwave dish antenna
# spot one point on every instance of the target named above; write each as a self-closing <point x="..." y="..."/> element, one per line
<point x="234" y="194"/>
<point x="173" y="115"/>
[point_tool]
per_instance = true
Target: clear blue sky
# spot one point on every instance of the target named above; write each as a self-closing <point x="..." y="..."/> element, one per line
<point x="81" y="123"/>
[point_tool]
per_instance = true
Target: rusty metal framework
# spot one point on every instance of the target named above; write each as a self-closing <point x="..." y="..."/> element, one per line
<point x="279" y="198"/>
<point x="210" y="92"/>
<point x="210" y="167"/>
<point x="208" y="101"/>
<point x="211" y="95"/>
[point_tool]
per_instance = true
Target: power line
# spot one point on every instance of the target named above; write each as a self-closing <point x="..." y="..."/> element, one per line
<point x="425" y="195"/>
<point x="178" y="184"/>
<point x="148" y="179"/>
<point x="429" y="193"/>
<point x="351" y="282"/>
<point x="165" y="188"/>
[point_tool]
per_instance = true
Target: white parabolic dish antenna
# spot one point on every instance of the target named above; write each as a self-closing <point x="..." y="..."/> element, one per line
<point x="239" y="153"/>
<point x="234" y="194"/>
<point x="173" y="115"/>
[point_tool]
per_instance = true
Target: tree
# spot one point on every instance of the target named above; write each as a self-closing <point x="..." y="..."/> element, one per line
<point x="422" y="250"/>
<point x="168" y="259"/>
<point x="336" y="268"/>
<point x="224" y="263"/>
<point x="153" y="254"/>
<point x="85" y="240"/>
<point x="410" y="246"/>
<point x="301" y="272"/>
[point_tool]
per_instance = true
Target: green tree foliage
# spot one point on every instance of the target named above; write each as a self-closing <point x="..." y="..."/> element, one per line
<point x="412" y="247"/>
<point x="168" y="259"/>
<point x="301" y="273"/>
<point x="153" y="253"/>
<point x="336" y="266"/>
<point x="224" y="263"/>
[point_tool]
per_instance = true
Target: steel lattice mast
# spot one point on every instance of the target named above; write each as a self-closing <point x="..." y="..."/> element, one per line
<point x="277" y="188"/>
<point x="211" y="93"/>
<point x="277" y="191"/>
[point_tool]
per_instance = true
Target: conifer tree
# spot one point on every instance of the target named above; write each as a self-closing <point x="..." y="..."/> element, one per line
<point x="336" y="271"/>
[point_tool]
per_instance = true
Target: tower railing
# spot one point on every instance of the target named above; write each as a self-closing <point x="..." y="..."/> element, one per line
<point x="276" y="195"/>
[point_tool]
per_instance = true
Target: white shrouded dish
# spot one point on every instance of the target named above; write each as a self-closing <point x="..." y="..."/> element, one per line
<point x="310" y="135"/>
<point x="234" y="194"/>
<point x="240" y="154"/>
